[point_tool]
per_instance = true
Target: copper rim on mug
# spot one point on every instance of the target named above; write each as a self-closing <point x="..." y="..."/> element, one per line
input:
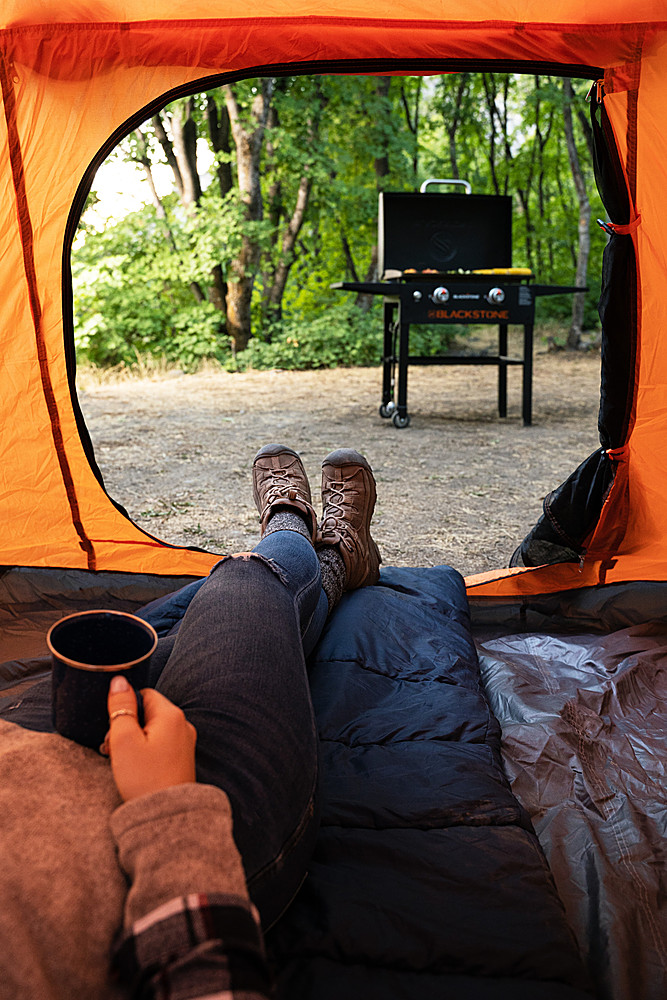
<point x="124" y="615"/>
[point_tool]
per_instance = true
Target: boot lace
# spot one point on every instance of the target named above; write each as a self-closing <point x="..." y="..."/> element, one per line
<point x="283" y="488"/>
<point x="335" y="526"/>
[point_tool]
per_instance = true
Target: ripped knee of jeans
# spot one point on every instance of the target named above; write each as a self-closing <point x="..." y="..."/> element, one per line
<point x="246" y="557"/>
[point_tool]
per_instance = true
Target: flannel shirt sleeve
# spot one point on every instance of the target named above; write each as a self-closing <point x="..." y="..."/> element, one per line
<point x="200" y="946"/>
<point x="190" y="931"/>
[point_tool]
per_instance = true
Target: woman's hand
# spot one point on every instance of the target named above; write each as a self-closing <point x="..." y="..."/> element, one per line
<point x="155" y="757"/>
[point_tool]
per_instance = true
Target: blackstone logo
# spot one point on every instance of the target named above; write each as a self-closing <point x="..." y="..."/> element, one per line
<point x="471" y="314"/>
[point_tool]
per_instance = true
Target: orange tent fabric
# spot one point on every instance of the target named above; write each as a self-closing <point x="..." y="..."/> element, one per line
<point x="73" y="75"/>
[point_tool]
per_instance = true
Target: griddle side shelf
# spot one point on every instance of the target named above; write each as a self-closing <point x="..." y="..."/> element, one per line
<point x="401" y="309"/>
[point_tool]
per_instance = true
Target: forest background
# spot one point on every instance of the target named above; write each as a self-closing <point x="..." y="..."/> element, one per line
<point x="274" y="198"/>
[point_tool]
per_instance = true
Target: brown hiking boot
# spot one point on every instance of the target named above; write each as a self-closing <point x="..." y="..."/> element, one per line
<point x="348" y="500"/>
<point x="279" y="480"/>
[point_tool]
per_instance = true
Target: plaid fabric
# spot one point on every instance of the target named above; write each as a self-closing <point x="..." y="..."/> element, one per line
<point x="196" y="946"/>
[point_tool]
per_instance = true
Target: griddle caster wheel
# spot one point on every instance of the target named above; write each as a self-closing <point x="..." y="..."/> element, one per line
<point x="399" y="421"/>
<point x="386" y="409"/>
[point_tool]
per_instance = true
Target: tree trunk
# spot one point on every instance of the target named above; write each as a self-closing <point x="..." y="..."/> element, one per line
<point x="184" y="130"/>
<point x="453" y="124"/>
<point x="490" y="94"/>
<point x="217" y="119"/>
<point x="275" y="296"/>
<point x="504" y="124"/>
<point x="248" y="142"/>
<point x="274" y="196"/>
<point x="168" y="150"/>
<point x="523" y="195"/>
<point x="382" y="84"/>
<point x="274" y="210"/>
<point x="587" y="132"/>
<point x="217" y="292"/>
<point x="349" y="259"/>
<point x="239" y="299"/>
<point x="584" y="239"/>
<point x="412" y="121"/>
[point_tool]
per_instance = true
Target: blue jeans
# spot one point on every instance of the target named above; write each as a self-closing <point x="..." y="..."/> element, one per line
<point x="237" y="668"/>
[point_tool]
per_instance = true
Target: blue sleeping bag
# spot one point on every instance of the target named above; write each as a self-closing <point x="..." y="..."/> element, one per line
<point x="428" y="882"/>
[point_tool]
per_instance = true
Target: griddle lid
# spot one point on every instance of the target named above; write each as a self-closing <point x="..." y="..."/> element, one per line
<point x="445" y="232"/>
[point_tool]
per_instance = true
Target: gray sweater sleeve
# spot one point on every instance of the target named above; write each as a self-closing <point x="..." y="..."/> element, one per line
<point x="174" y="842"/>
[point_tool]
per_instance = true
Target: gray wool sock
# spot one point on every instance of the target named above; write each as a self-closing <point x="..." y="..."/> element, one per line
<point x="332" y="568"/>
<point x="287" y="520"/>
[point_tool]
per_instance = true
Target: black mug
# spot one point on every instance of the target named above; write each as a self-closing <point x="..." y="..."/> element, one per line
<point x="88" y="649"/>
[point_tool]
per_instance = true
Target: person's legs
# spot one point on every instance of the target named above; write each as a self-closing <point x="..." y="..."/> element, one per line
<point x="238" y="671"/>
<point x="237" y="667"/>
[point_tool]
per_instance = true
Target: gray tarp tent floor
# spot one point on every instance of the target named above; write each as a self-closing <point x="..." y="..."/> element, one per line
<point x="578" y="683"/>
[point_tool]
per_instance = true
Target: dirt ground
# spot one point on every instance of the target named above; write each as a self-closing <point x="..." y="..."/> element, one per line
<point x="458" y="486"/>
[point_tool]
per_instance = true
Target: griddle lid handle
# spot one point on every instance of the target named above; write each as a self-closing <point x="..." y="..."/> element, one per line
<point x="446" y="180"/>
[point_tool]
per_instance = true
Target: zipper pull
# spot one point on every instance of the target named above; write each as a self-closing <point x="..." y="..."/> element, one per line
<point x="598" y="87"/>
<point x="620" y="229"/>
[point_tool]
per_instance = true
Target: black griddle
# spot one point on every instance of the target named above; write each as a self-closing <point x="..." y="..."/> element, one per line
<point x="446" y="259"/>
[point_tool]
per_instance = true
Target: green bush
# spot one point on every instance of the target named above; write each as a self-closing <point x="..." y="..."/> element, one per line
<point x="133" y="297"/>
<point x="431" y="340"/>
<point x="341" y="335"/>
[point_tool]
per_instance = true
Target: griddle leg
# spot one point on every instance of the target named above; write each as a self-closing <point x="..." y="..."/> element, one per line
<point x="527" y="401"/>
<point x="401" y="418"/>
<point x="387" y="405"/>
<point x="502" y="370"/>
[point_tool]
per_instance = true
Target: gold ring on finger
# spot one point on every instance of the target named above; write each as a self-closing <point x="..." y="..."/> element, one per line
<point x="122" y="711"/>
